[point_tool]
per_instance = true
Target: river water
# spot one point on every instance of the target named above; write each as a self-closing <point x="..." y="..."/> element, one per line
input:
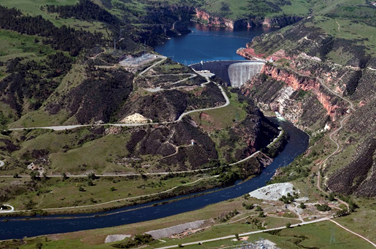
<point x="207" y="45"/>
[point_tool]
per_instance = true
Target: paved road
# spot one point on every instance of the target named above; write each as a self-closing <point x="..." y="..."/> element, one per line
<point x="243" y="234"/>
<point x="120" y="174"/>
<point x="69" y="127"/>
<point x="159" y="89"/>
<point x="268" y="230"/>
<point x="155" y="64"/>
<point x="7" y="211"/>
<point x="207" y="109"/>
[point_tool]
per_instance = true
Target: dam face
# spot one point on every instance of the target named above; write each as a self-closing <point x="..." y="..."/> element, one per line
<point x="235" y="73"/>
<point x="239" y="73"/>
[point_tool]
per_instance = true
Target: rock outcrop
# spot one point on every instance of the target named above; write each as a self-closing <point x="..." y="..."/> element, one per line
<point x="299" y="82"/>
<point x="206" y="18"/>
<point x="304" y="59"/>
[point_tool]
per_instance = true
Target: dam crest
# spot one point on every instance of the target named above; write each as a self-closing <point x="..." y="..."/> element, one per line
<point x="234" y="72"/>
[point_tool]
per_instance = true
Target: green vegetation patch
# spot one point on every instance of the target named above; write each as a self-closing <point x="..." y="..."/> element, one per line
<point x="15" y="45"/>
<point x="223" y="117"/>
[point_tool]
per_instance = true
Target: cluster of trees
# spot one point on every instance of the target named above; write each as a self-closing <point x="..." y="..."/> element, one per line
<point x="63" y="38"/>
<point x="323" y="207"/>
<point x="248" y="206"/>
<point x="256" y="223"/>
<point x="228" y="178"/>
<point x="289" y="198"/>
<point x="31" y="80"/>
<point x="228" y="216"/>
<point x="85" y="10"/>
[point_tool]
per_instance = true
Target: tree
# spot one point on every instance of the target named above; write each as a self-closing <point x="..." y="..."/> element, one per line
<point x="33" y="175"/>
<point x="342" y="212"/>
<point x="91" y="176"/>
<point x="288" y="225"/>
<point x="64" y="176"/>
<point x="331" y="197"/>
<point x="302" y="205"/>
<point x="323" y="207"/>
<point x="352" y="206"/>
<point x="261" y="214"/>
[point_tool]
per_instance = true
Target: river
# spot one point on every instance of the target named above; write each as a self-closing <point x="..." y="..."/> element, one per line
<point x="298" y="143"/>
<point x="18" y="228"/>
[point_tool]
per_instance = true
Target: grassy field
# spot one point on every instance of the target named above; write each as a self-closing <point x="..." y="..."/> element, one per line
<point x="15" y="45"/>
<point x="309" y="236"/>
<point x="36" y="7"/>
<point x="57" y="193"/>
<point x="222" y="118"/>
<point x="346" y="29"/>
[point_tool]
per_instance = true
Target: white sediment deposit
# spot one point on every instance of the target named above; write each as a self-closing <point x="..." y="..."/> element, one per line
<point x="135" y="119"/>
<point x="167" y="232"/>
<point x="273" y="192"/>
<point x="115" y="237"/>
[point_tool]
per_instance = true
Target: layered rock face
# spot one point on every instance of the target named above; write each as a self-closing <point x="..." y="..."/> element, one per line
<point x="213" y="20"/>
<point x="302" y="83"/>
<point x="294" y="96"/>
<point x="206" y="18"/>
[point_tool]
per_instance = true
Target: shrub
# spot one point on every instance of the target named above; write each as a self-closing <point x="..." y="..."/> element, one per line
<point x="323" y="207"/>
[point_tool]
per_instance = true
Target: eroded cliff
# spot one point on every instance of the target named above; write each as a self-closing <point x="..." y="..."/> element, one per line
<point x="316" y="80"/>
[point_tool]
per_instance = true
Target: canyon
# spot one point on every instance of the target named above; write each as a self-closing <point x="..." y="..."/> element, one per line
<point x="217" y="21"/>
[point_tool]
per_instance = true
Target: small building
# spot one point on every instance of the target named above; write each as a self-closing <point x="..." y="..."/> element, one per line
<point x="192" y="142"/>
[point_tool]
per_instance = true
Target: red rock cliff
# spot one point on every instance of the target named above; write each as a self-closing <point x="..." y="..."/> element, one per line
<point x="298" y="82"/>
<point x="209" y="20"/>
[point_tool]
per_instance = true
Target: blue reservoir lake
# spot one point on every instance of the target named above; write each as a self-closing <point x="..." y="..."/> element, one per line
<point x="208" y="44"/>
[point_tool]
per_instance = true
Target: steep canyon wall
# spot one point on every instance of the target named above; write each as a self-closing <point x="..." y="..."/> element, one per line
<point x="251" y="22"/>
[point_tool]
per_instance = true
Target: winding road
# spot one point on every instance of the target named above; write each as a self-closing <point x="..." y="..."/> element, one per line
<point x="6" y="210"/>
<point x="351" y="106"/>
<point x="69" y="127"/>
<point x="345" y="118"/>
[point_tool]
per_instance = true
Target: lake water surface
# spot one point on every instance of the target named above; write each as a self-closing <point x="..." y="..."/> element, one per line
<point x="207" y="44"/>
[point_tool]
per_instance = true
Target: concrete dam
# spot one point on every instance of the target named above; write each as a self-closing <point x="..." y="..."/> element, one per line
<point x="235" y="73"/>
